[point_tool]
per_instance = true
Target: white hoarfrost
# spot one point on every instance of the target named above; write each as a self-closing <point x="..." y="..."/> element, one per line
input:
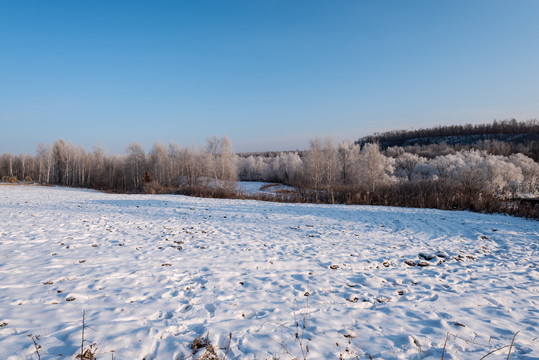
<point x="153" y="272"/>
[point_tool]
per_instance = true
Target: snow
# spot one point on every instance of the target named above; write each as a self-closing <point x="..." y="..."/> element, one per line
<point x="253" y="269"/>
<point x="258" y="187"/>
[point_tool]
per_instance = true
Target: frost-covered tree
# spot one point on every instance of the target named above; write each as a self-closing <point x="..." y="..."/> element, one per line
<point x="348" y="159"/>
<point x="405" y="165"/>
<point x="500" y="177"/>
<point x="222" y="162"/>
<point x="175" y="164"/>
<point x="228" y="170"/>
<point x="321" y="167"/>
<point x="59" y="154"/>
<point x="159" y="163"/>
<point x="530" y="173"/>
<point x="135" y="165"/>
<point x="423" y="171"/>
<point x="330" y="168"/>
<point x="290" y="164"/>
<point x="313" y="165"/>
<point x="97" y="176"/>
<point x="44" y="161"/>
<point x="375" y="168"/>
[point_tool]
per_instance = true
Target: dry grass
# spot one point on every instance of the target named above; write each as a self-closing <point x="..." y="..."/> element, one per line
<point x="86" y="352"/>
<point x="203" y="349"/>
<point x="204" y="343"/>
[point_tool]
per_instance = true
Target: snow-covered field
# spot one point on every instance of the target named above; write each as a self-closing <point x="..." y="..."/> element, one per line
<point x="153" y="272"/>
<point x="257" y="187"/>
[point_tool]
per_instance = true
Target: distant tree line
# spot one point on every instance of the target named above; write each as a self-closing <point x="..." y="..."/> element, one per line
<point x="350" y="173"/>
<point x="503" y="137"/>
<point x="486" y="178"/>
<point x="209" y="170"/>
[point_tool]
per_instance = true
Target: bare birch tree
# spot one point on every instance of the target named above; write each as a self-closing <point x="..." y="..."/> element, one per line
<point x="135" y="165"/>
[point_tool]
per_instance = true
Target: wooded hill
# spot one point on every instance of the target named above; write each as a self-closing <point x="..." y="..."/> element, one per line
<point x="504" y="137"/>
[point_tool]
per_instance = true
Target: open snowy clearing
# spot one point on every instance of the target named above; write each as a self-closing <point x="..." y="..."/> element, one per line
<point x="153" y="272"/>
<point x="259" y="187"/>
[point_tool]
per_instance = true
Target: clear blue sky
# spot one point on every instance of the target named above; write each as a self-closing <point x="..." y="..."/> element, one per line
<point x="269" y="74"/>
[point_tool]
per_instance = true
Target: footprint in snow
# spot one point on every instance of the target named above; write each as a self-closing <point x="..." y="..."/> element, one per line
<point x="210" y="308"/>
<point x="168" y="315"/>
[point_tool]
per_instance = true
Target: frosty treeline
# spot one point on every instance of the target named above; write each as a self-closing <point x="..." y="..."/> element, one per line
<point x="504" y="137"/>
<point x="346" y="172"/>
<point x="162" y="169"/>
<point x="351" y="173"/>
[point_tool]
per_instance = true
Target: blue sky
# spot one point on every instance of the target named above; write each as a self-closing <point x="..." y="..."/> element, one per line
<point x="269" y="74"/>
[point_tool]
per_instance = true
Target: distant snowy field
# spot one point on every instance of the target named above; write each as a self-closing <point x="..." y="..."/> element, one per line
<point x="257" y="187"/>
<point x="251" y="268"/>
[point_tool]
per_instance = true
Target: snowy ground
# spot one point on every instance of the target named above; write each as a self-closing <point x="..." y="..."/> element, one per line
<point x="153" y="272"/>
<point x="257" y="187"/>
